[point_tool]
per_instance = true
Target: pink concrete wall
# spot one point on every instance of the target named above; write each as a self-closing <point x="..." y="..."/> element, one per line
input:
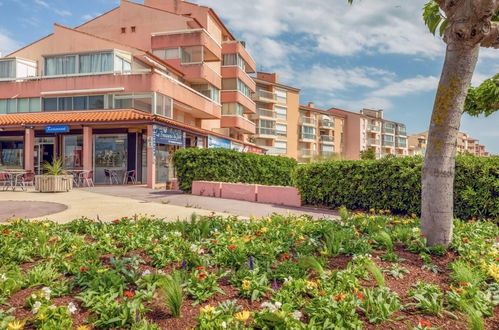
<point x="29" y="149"/>
<point x="288" y="196"/>
<point x="88" y="163"/>
<point x="236" y="72"/>
<point x="237" y="97"/>
<point x="237" y="122"/>
<point x="151" y="164"/>
<point x="206" y="188"/>
<point x="239" y="191"/>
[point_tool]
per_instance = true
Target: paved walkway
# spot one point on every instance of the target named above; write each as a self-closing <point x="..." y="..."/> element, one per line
<point x="81" y="203"/>
<point x="228" y="206"/>
<point x="23" y="209"/>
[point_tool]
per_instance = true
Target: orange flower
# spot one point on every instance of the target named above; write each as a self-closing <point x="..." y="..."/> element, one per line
<point x="322" y="293"/>
<point x="202" y="276"/>
<point x="463" y="283"/>
<point x="370" y="241"/>
<point x="339" y="297"/>
<point x="422" y="235"/>
<point x="130" y="234"/>
<point x="19" y="236"/>
<point x="465" y="240"/>
<point x="232" y="247"/>
<point x="83" y="269"/>
<point x="425" y="323"/>
<point x="285" y="256"/>
<point x="5" y="232"/>
<point x="359" y="295"/>
<point x="53" y="239"/>
<point x="214" y="241"/>
<point x="116" y="221"/>
<point x="129" y="294"/>
<point x="200" y="268"/>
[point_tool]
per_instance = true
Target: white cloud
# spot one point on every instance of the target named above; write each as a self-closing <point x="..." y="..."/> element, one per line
<point x="88" y="17"/>
<point x="408" y="86"/>
<point x="42" y="3"/>
<point x="7" y="44"/>
<point x="62" y="12"/>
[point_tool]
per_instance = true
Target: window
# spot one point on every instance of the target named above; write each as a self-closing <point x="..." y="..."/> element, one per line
<point x="164" y="106"/>
<point x="281" y="112"/>
<point x="73" y="151"/>
<point x="388" y="138"/>
<point x="327" y="149"/>
<point x="280" y="147"/>
<point x="209" y="91"/>
<point x="12" y="152"/>
<point x="140" y="101"/>
<point x="308" y="132"/>
<point x="133" y="28"/>
<point x="91" y="63"/>
<point x="232" y="109"/>
<point x="243" y="88"/>
<point x="60" y="65"/>
<point x="281" y="129"/>
<point x="8" y="69"/>
<point x="167" y="54"/>
<point x="282" y="95"/>
<point x="193" y="54"/>
<point x="121" y="64"/>
<point x="20" y="105"/>
<point x="234" y="60"/>
<point x="73" y="103"/>
<point x="65" y="103"/>
<point x="123" y="30"/>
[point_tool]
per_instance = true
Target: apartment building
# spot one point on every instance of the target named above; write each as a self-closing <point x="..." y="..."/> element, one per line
<point x="320" y="134"/>
<point x="368" y="130"/>
<point x="125" y="90"/>
<point x="276" y="116"/>
<point x="465" y="144"/>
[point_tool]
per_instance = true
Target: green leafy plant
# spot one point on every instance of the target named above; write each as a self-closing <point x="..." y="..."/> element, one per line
<point x="172" y="290"/>
<point x="56" y="168"/>
<point x="429" y="299"/>
<point x="202" y="285"/>
<point x="379" y="304"/>
<point x="396" y="271"/>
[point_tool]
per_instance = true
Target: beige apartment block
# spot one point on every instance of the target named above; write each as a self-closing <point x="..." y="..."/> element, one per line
<point x="465" y="144"/>
<point x="276" y="116"/>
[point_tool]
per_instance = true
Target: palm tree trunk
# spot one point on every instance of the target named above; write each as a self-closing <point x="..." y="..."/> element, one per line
<point x="438" y="171"/>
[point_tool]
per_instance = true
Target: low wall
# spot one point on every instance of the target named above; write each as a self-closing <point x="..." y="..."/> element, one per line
<point x="287" y="196"/>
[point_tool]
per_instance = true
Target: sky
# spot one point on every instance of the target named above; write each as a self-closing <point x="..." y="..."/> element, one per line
<point x="374" y="54"/>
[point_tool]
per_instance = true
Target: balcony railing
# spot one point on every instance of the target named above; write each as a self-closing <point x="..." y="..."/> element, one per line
<point x="265" y="131"/>
<point x="308" y="136"/>
<point x="388" y="130"/>
<point x="327" y="138"/>
<point x="388" y="143"/>
<point x="326" y="123"/>
<point x="373" y="128"/>
<point x="401" y="131"/>
<point x="402" y="144"/>
<point x="308" y="121"/>
<point x="276" y="151"/>
<point x="307" y="153"/>
<point x="372" y="141"/>
<point x="265" y="112"/>
<point x="265" y="95"/>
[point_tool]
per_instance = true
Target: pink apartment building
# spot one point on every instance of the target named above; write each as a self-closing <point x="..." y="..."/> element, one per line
<point x="125" y="90"/>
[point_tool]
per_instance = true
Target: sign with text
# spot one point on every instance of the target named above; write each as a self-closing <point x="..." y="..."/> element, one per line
<point x="168" y="135"/>
<point x="215" y="142"/>
<point x="56" y="129"/>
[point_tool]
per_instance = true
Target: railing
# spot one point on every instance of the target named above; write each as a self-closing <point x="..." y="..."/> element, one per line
<point x="388" y="143"/>
<point x="327" y="138"/>
<point x="327" y="123"/>
<point x="307" y="120"/>
<point x="265" y="112"/>
<point x="327" y="152"/>
<point x="276" y="151"/>
<point x="307" y="136"/>
<point x="373" y="141"/>
<point x="265" y="131"/>
<point x="401" y="144"/>
<point x="265" y="94"/>
<point x="388" y="130"/>
<point x="307" y="152"/>
<point x="401" y="131"/>
<point x="373" y="128"/>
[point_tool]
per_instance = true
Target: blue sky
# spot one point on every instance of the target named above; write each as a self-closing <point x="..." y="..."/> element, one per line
<point x="375" y="54"/>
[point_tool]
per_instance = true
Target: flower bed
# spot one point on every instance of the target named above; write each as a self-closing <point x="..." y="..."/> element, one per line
<point x="360" y="271"/>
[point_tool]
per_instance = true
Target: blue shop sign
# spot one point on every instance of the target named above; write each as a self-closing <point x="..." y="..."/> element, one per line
<point x="57" y="129"/>
<point x="167" y="135"/>
<point x="215" y="142"/>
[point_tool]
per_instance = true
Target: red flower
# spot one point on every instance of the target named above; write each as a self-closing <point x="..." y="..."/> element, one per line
<point x="422" y="235"/>
<point x="214" y="241"/>
<point x="473" y="218"/>
<point x="130" y="234"/>
<point x="322" y="293"/>
<point x="18" y="236"/>
<point x="370" y="241"/>
<point x="129" y="294"/>
<point x="200" y="268"/>
<point x="463" y="283"/>
<point x="285" y="256"/>
<point x="359" y="295"/>
<point x="83" y="269"/>
<point x="202" y="276"/>
<point x="53" y="239"/>
<point x="5" y="232"/>
<point x="232" y="247"/>
<point x="425" y="323"/>
<point x="116" y="221"/>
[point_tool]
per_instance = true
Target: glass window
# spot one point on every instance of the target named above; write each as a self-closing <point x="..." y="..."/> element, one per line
<point x="96" y="102"/>
<point x="167" y="54"/>
<point x="65" y="103"/>
<point x="7" y="69"/>
<point x="229" y="84"/>
<point x="282" y="130"/>
<point x="163" y="105"/>
<point x="60" y="65"/>
<point x="73" y="151"/>
<point x="281" y="112"/>
<point x="282" y="95"/>
<point x="12" y="152"/>
<point x="80" y="102"/>
<point x="193" y="54"/>
<point x="50" y="104"/>
<point x="232" y="109"/>
<point x="243" y="88"/>
<point x="110" y="153"/>
<point x="12" y="106"/>
<point x="34" y="104"/>
<point x="3" y="106"/>
<point x="142" y="102"/>
<point x="100" y="62"/>
<point x="23" y="105"/>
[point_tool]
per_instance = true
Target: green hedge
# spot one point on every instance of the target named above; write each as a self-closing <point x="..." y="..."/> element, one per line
<point x="395" y="184"/>
<point x="231" y="166"/>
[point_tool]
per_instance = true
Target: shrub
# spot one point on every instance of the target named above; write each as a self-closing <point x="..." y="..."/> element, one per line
<point x="395" y="184"/>
<point x="231" y="166"/>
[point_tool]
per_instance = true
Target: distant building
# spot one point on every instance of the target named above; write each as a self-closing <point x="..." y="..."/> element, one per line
<point x="465" y="144"/>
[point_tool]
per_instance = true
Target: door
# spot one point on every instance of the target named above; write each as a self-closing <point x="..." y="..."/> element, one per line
<point x="44" y="153"/>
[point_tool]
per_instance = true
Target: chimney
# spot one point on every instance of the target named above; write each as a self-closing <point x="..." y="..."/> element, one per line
<point x="311" y="104"/>
<point x="270" y="77"/>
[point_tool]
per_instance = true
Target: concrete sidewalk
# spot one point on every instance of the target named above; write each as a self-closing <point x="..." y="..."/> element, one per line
<point x="227" y="206"/>
<point x="82" y="203"/>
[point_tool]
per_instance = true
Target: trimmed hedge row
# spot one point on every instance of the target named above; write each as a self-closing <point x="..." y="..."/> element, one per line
<point x="395" y="184"/>
<point x="231" y="166"/>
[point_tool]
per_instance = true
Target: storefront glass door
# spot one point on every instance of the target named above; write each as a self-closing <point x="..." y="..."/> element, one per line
<point x="44" y="153"/>
<point x="110" y="155"/>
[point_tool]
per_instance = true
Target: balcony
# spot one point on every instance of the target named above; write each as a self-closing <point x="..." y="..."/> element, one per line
<point x="243" y="124"/>
<point x="264" y="114"/>
<point x="268" y="133"/>
<point x="388" y="130"/>
<point x="188" y="38"/>
<point x="307" y="137"/>
<point x="327" y="124"/>
<point x="238" y="97"/>
<point x="401" y="144"/>
<point x="237" y="47"/>
<point x="401" y="131"/>
<point x="309" y="121"/>
<point x="373" y="142"/>
<point x="202" y="74"/>
<point x="276" y="151"/>
<point x="373" y="128"/>
<point x="307" y="153"/>
<point x="326" y="139"/>
<point x="264" y="96"/>
<point x="236" y="72"/>
<point x="388" y="143"/>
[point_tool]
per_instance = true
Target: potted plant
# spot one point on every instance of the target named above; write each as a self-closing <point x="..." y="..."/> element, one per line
<point x="54" y="179"/>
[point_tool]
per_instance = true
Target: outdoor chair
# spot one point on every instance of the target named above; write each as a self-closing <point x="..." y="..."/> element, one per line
<point x="131" y="176"/>
<point x="27" y="179"/>
<point x="111" y="176"/>
<point x="5" y="180"/>
<point x="87" y="178"/>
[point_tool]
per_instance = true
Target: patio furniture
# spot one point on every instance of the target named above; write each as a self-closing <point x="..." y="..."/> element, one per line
<point x="6" y="180"/>
<point x="87" y="178"/>
<point x="111" y="175"/>
<point x="27" y="179"/>
<point x="130" y="176"/>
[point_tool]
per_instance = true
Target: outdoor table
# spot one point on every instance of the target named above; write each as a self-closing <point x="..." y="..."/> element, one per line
<point x="119" y="173"/>
<point x="14" y="177"/>
<point x="76" y="175"/>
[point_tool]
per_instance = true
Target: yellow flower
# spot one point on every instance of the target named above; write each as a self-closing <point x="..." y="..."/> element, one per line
<point x="372" y="210"/>
<point x="16" y="325"/>
<point x="83" y="327"/>
<point x="74" y="247"/>
<point x="67" y="255"/>
<point x="413" y="215"/>
<point x="246" y="285"/>
<point x="247" y="239"/>
<point x="268" y="219"/>
<point x="264" y="253"/>
<point x="206" y="309"/>
<point x="396" y="222"/>
<point x="493" y="271"/>
<point x="42" y="317"/>
<point x="323" y="252"/>
<point x="103" y="270"/>
<point x="157" y="249"/>
<point x="302" y="237"/>
<point x="242" y="316"/>
<point x="311" y="284"/>
<point x="264" y="229"/>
